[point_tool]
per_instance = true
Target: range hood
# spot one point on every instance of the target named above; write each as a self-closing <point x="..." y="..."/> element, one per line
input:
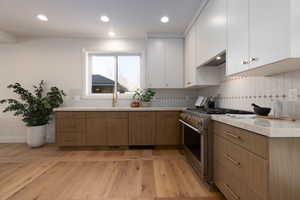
<point x="216" y="61"/>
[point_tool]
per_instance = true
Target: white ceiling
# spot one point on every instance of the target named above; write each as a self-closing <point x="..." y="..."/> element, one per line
<point x="80" y="18"/>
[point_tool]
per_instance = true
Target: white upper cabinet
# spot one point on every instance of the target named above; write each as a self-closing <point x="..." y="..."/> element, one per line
<point x="238" y="36"/>
<point x="211" y="31"/>
<point x="190" y="58"/>
<point x="174" y="63"/>
<point x="263" y="35"/>
<point x="269" y="31"/>
<point x="165" y="63"/>
<point x="156" y="63"/>
<point x="205" y="40"/>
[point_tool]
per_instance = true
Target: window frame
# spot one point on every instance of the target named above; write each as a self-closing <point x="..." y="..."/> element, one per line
<point x="87" y="74"/>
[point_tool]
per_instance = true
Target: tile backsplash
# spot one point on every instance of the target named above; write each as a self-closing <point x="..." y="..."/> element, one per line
<point x="163" y="98"/>
<point x="240" y="92"/>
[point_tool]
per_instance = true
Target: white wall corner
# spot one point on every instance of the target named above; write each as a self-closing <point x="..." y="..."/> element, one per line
<point x="197" y="14"/>
<point x="7" y="38"/>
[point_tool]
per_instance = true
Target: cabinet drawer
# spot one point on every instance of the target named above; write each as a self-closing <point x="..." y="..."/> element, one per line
<point x="92" y="115"/>
<point x="105" y="115"/>
<point x="72" y="125"/>
<point x="246" y="167"/>
<point x="67" y="115"/>
<point x="255" y="143"/>
<point x="229" y="186"/>
<point x="118" y="115"/>
<point x="69" y="139"/>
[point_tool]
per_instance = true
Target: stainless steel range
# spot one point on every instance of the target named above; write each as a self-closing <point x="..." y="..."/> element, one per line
<point x="198" y="139"/>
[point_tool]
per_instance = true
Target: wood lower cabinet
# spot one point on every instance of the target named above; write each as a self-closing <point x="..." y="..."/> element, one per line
<point x="167" y="128"/>
<point x="248" y="166"/>
<point x="142" y="128"/>
<point x="106" y="129"/>
<point x="96" y="131"/>
<point x="70" y="128"/>
<point x="117" y="128"/>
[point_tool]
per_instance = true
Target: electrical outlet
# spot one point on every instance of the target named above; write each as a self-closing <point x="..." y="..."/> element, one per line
<point x="293" y="94"/>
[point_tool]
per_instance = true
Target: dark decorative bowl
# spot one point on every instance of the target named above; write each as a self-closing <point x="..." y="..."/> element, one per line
<point x="262" y="111"/>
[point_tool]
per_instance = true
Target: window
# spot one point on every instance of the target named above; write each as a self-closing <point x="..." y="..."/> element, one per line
<point x="109" y="72"/>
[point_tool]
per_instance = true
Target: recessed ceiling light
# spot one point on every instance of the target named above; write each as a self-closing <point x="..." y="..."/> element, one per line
<point x="111" y="34"/>
<point x="42" y="17"/>
<point x="164" y="19"/>
<point x="104" y="18"/>
<point x="218" y="58"/>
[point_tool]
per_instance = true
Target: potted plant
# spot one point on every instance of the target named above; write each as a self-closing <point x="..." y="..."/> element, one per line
<point x="145" y="96"/>
<point x="35" y="108"/>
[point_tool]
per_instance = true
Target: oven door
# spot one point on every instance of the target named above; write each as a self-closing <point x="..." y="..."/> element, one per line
<point x="193" y="140"/>
<point x="194" y="144"/>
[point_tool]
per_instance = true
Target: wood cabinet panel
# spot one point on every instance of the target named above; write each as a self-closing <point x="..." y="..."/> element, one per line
<point x="70" y="139"/>
<point x="246" y="167"/>
<point x="245" y="174"/>
<point x="70" y="128"/>
<point x="251" y="141"/>
<point x="117" y="131"/>
<point x="142" y="128"/>
<point x="96" y="132"/>
<point x="107" y="128"/>
<point x="117" y="128"/>
<point x="167" y="128"/>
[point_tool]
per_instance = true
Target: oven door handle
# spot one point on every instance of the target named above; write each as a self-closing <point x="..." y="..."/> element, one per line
<point x="190" y="126"/>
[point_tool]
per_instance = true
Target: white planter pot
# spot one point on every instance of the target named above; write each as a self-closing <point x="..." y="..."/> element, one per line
<point x="36" y="136"/>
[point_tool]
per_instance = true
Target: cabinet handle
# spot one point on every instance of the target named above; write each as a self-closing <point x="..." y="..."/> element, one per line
<point x="232" y="135"/>
<point x="167" y="84"/>
<point x="245" y="62"/>
<point x="232" y="160"/>
<point x="231" y="191"/>
<point x="253" y="59"/>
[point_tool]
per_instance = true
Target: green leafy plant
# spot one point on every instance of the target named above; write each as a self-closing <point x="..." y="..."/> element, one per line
<point x="144" y="95"/>
<point x="35" y="108"/>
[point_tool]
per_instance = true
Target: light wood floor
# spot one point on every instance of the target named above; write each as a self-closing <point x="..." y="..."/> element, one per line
<point x="54" y="174"/>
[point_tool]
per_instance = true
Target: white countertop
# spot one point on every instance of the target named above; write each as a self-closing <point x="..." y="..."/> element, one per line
<point x="65" y="109"/>
<point x="269" y="128"/>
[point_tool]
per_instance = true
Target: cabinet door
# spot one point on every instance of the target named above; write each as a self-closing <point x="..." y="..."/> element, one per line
<point x="211" y="31"/>
<point x="96" y="129"/>
<point x="190" y="67"/>
<point x="70" y="128"/>
<point x="186" y="60"/>
<point x="156" y="63"/>
<point x="174" y="63"/>
<point x="167" y="128"/>
<point x="237" y="36"/>
<point x="142" y="128"/>
<point x="117" y="128"/>
<point x="269" y="31"/>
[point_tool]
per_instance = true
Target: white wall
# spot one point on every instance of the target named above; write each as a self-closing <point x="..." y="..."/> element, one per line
<point x="59" y="62"/>
<point x="6" y="38"/>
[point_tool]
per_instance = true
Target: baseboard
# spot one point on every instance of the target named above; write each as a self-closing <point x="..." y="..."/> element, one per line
<point x="5" y="139"/>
